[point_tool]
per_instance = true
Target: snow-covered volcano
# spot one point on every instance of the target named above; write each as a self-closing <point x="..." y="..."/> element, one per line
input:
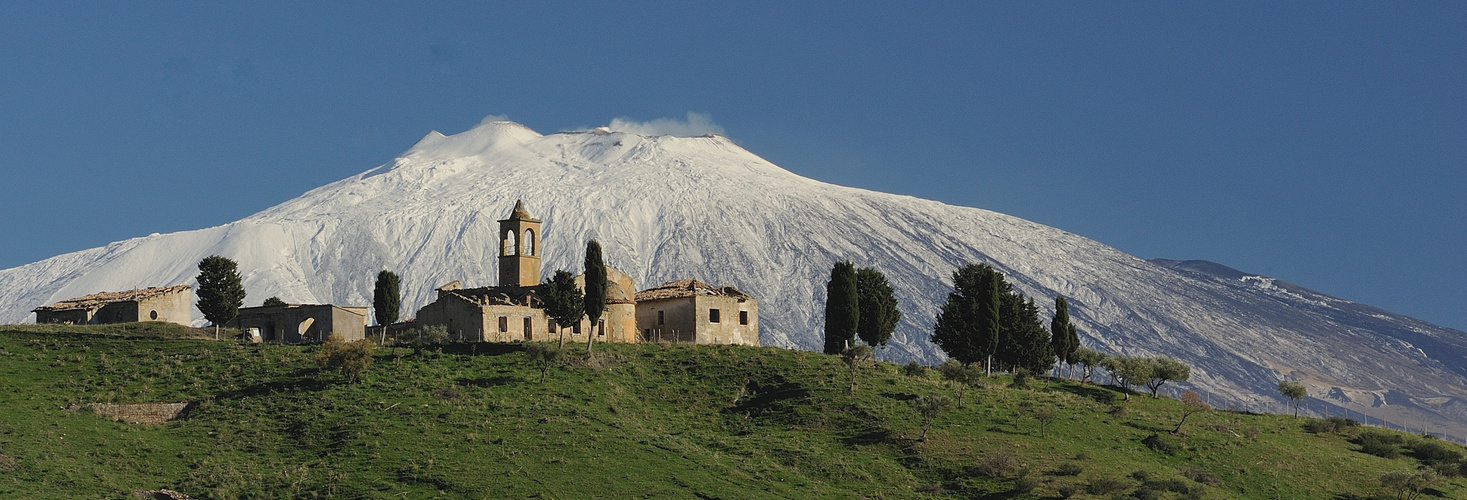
<point x="667" y="208"/>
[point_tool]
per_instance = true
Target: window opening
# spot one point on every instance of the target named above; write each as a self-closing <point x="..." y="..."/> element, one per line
<point x="503" y="324"/>
<point x="712" y="315"/>
<point x="743" y="317"/>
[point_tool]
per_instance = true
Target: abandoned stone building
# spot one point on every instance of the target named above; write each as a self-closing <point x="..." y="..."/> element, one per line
<point x="173" y="304"/>
<point x="299" y="323"/>
<point x="696" y="312"/>
<point x="682" y="311"/>
<point x="513" y="310"/>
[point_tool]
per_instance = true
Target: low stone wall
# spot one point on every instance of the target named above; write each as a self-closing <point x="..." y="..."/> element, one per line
<point x="141" y="413"/>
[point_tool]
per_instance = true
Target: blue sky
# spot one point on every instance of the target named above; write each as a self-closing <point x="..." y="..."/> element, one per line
<point x="1321" y="143"/>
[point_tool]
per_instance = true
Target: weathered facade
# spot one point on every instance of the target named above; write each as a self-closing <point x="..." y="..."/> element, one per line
<point x="173" y="304"/>
<point x="299" y="323"/>
<point x="692" y="311"/>
<point x="513" y="310"/>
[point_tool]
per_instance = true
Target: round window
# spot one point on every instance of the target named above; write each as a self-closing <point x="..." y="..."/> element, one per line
<point x="153" y="314"/>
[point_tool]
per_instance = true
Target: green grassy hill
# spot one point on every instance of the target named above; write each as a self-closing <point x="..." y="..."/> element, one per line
<point x="678" y="421"/>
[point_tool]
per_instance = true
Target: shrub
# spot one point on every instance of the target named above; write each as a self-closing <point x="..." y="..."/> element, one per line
<point x="1069" y="469"/>
<point x="1156" y="442"/>
<point x="1021" y="379"/>
<point x="1105" y="485"/>
<point x="997" y="464"/>
<point x="1380" y="444"/>
<point x="914" y="369"/>
<point x="351" y="358"/>
<point x="1433" y="452"/>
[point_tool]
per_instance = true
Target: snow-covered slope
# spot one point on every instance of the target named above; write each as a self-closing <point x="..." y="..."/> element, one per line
<point x="666" y="208"/>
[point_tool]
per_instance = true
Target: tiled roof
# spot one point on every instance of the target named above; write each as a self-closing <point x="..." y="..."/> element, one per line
<point x="687" y="288"/>
<point x="97" y="300"/>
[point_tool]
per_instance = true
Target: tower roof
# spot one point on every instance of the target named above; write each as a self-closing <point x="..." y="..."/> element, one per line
<point x="519" y="213"/>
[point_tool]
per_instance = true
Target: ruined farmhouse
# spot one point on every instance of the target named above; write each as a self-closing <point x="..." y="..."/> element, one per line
<point x="297" y="323"/>
<point x="173" y="304"/>
<point x="693" y="311"/>
<point x="514" y="310"/>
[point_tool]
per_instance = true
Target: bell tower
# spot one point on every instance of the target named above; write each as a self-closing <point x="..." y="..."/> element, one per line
<point x="519" y="248"/>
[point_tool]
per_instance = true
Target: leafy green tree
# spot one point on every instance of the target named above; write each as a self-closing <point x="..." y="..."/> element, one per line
<point x="1165" y="370"/>
<point x="1063" y="339"/>
<point x="387" y="297"/>
<point x="221" y="291"/>
<point x="1191" y="403"/>
<point x="842" y="307"/>
<point x="1128" y="372"/>
<point x="1296" y="392"/>
<point x="1409" y="485"/>
<point x="960" y="376"/>
<point x="595" y="294"/>
<point x="877" y="307"/>
<point x="563" y="301"/>
<point x="273" y="301"/>
<point x="929" y="407"/>
<point x="854" y="356"/>
<point x="541" y="355"/>
<point x="1088" y="359"/>
<point x="967" y="326"/>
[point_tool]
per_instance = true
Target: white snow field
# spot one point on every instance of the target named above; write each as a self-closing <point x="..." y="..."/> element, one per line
<point x="666" y="208"/>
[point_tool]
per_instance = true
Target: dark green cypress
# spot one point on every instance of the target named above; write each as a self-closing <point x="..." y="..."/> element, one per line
<point x="878" y="307"/>
<point x="221" y="291"/>
<point x="387" y="297"/>
<point x="595" y="294"/>
<point x="990" y="315"/>
<point x="965" y="327"/>
<point x="1061" y="331"/>
<point x="842" y="307"/>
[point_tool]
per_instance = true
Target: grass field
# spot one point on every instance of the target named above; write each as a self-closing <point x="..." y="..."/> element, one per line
<point x="471" y="421"/>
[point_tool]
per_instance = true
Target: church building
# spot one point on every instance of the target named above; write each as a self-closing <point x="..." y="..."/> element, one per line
<point x="513" y="310"/>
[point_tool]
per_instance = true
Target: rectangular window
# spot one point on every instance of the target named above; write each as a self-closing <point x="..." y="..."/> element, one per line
<point x="601" y="328"/>
<point x="527" y="328"/>
<point x="503" y="324"/>
<point x="712" y="315"/>
<point x="549" y="325"/>
<point x="743" y="317"/>
<point x="659" y="317"/>
<point x="576" y="328"/>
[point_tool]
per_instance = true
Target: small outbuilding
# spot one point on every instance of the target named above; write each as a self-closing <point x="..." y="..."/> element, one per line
<point x="173" y="304"/>
<point x="300" y="323"/>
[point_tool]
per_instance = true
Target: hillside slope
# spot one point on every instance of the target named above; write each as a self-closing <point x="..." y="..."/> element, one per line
<point x="639" y="420"/>
<point x="668" y="208"/>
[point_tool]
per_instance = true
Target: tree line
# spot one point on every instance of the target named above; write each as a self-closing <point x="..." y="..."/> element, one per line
<point x="985" y="325"/>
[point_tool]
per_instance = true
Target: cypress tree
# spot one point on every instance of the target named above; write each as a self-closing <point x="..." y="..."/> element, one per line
<point x="387" y="297"/>
<point x="966" y="326"/>
<point x="990" y="315"/>
<point x="1062" y="332"/>
<point x="221" y="291"/>
<point x="595" y="294"/>
<point x="842" y="307"/>
<point x="564" y="303"/>
<point x="1024" y="341"/>
<point x="878" y="307"/>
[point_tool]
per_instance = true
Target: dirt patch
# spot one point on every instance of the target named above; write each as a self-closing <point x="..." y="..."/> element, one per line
<point x="141" y="413"/>
<point x="7" y="462"/>
<point x="164" y="494"/>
